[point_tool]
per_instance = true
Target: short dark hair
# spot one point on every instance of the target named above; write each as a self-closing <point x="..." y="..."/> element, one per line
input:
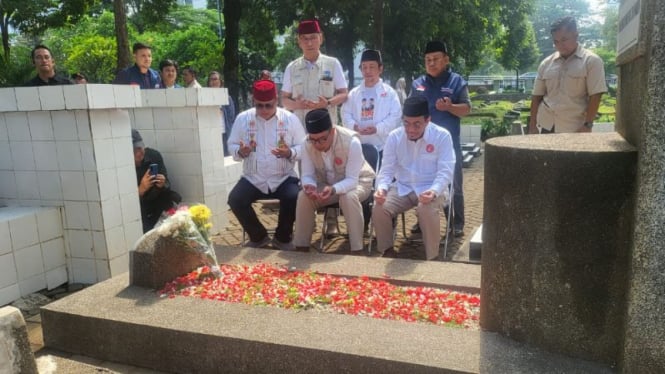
<point x="167" y="62"/>
<point x="139" y="46"/>
<point x="190" y="69"/>
<point x="39" y="46"/>
<point x="567" y="23"/>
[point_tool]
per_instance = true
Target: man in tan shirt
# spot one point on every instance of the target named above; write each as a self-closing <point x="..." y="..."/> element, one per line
<point x="566" y="93"/>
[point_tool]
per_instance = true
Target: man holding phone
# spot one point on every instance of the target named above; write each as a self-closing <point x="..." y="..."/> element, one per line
<point x="155" y="193"/>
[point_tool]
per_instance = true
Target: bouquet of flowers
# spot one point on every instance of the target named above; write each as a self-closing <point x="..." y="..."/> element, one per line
<point x="191" y="225"/>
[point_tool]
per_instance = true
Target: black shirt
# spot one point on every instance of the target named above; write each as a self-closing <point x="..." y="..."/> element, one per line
<point x="53" y="81"/>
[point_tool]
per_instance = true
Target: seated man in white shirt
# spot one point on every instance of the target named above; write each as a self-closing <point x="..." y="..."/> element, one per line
<point x="268" y="141"/>
<point x="373" y="122"/>
<point x="372" y="110"/>
<point x="420" y="158"/>
<point x="333" y="170"/>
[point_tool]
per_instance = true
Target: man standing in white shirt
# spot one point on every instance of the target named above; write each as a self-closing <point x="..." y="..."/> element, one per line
<point x="314" y="80"/>
<point x="267" y="140"/>
<point x="333" y="170"/>
<point x="372" y="122"/>
<point x="420" y="157"/>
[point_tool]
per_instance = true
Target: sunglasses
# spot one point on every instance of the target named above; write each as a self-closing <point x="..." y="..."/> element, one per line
<point x="264" y="105"/>
<point x="319" y="140"/>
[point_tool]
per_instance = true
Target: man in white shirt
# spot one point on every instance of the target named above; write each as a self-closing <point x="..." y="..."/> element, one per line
<point x="189" y="77"/>
<point x="333" y="170"/>
<point x="267" y="140"/>
<point x="372" y="109"/>
<point x="420" y="157"/>
<point x="314" y="80"/>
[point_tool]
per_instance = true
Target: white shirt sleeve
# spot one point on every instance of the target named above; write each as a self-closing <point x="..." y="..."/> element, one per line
<point x="388" y="163"/>
<point x="338" y="76"/>
<point x="286" y="79"/>
<point x="298" y="136"/>
<point x="233" y="141"/>
<point x="348" y="109"/>
<point x="353" y="165"/>
<point x="393" y="116"/>
<point x="445" y="164"/>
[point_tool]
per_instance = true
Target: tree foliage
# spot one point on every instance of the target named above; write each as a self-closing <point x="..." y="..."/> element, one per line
<point x="548" y="11"/>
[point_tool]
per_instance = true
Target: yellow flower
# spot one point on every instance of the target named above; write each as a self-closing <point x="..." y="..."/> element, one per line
<point x="200" y="215"/>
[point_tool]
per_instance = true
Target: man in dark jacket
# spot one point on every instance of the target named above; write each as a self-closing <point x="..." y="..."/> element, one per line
<point x="140" y="74"/>
<point x="45" y="66"/>
<point x="155" y="193"/>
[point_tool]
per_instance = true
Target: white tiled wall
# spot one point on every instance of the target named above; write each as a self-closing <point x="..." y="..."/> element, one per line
<point x="187" y="131"/>
<point x="56" y="151"/>
<point x="69" y="148"/>
<point x="32" y="251"/>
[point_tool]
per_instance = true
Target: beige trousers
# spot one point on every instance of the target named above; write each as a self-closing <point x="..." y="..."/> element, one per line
<point x="351" y="208"/>
<point x="428" y="218"/>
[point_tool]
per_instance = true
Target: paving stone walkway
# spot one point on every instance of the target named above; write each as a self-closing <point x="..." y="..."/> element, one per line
<point x="405" y="248"/>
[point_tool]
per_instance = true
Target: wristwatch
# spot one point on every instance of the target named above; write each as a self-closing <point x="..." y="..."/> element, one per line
<point x="588" y="125"/>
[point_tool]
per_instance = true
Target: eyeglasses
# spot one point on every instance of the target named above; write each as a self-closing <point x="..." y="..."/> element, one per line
<point x="416" y="125"/>
<point x="264" y="105"/>
<point x="319" y="140"/>
<point x="308" y="38"/>
<point x="213" y="78"/>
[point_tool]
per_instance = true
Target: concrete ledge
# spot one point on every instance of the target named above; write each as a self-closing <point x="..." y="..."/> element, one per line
<point x="117" y="322"/>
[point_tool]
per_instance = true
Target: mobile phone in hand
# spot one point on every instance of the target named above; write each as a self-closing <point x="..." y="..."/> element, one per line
<point x="154" y="169"/>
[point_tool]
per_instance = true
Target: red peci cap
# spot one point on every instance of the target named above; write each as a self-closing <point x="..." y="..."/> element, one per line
<point x="264" y="90"/>
<point x="310" y="26"/>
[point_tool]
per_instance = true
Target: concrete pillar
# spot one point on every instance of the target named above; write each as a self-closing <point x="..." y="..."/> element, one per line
<point x="557" y="222"/>
<point x="644" y="346"/>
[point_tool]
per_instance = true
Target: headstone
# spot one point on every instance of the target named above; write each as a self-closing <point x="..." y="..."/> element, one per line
<point x="157" y="260"/>
<point x="15" y="352"/>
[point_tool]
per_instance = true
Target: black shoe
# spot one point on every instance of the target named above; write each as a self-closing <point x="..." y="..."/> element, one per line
<point x="415" y="229"/>
<point x="458" y="232"/>
<point x="390" y="252"/>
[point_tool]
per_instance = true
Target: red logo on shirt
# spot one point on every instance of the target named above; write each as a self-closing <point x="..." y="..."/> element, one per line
<point x="338" y="161"/>
<point x="429" y="148"/>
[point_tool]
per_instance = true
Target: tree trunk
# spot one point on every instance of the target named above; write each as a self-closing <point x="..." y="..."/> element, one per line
<point x="121" y="35"/>
<point x="4" y="26"/>
<point x="232" y="13"/>
<point x="378" y="25"/>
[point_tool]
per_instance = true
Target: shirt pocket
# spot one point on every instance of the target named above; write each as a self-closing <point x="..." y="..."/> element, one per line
<point x="551" y="79"/>
<point x="326" y="88"/>
<point x="576" y="82"/>
<point x="297" y="86"/>
<point x="427" y="164"/>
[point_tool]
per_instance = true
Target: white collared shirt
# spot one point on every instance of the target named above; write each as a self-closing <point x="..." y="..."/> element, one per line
<point x="263" y="169"/>
<point x="386" y="111"/>
<point x="418" y="166"/>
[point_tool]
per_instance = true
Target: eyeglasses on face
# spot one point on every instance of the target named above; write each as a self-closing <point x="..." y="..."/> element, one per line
<point x="320" y="139"/>
<point x="415" y="124"/>
<point x="309" y="38"/>
<point x="264" y="105"/>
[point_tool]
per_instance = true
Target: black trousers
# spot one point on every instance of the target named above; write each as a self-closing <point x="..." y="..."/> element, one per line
<point x="244" y="194"/>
